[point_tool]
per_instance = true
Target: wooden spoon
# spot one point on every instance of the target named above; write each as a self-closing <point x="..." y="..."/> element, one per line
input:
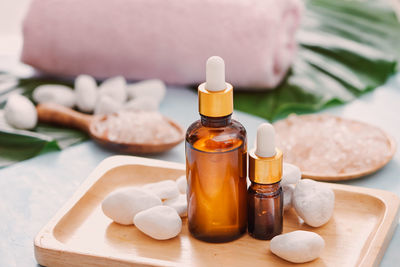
<point x="57" y="114"/>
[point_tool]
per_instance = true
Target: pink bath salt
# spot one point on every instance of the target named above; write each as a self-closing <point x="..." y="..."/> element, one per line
<point x="326" y="145"/>
<point x="137" y="127"/>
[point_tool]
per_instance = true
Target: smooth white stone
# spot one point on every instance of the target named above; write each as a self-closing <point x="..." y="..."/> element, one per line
<point x="4" y="125"/>
<point x="287" y="196"/>
<point x="179" y="203"/>
<point x="291" y="174"/>
<point x="55" y="93"/>
<point x="298" y="246"/>
<point x="19" y="112"/>
<point x="181" y="182"/>
<point x="86" y="93"/>
<point x="122" y="205"/>
<point x="166" y="189"/>
<point x="161" y="222"/>
<point x="153" y="88"/>
<point x="314" y="202"/>
<point x="115" y="88"/>
<point x="106" y="105"/>
<point x="141" y="104"/>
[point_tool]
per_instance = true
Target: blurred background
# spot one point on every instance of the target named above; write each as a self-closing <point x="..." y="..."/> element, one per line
<point x="11" y="16"/>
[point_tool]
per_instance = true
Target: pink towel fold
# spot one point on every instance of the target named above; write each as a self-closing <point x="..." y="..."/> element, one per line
<point x="165" y="39"/>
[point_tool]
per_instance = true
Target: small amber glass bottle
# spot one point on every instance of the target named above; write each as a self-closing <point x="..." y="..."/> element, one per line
<point x="216" y="165"/>
<point x="264" y="210"/>
<point x="264" y="196"/>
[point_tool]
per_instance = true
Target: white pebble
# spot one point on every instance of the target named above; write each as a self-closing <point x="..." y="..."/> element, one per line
<point x="20" y="112"/>
<point x="298" y="246"/>
<point x="287" y="196"/>
<point x="314" y="202"/>
<point x="181" y="182"/>
<point x="179" y="203"/>
<point x="106" y="105"/>
<point x="153" y="88"/>
<point x="141" y="104"/>
<point x="161" y="222"/>
<point x="4" y="125"/>
<point x="122" y="205"/>
<point x="166" y="189"/>
<point x="55" y="93"/>
<point x="115" y="88"/>
<point x="291" y="174"/>
<point x="86" y="93"/>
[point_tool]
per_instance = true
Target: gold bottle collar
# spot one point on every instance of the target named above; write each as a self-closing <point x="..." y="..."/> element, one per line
<point x="265" y="170"/>
<point x="215" y="104"/>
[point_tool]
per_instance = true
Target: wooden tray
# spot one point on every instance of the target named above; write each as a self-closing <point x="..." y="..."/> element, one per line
<point x="81" y="235"/>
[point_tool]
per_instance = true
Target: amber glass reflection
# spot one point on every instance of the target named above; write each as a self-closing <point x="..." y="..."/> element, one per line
<point x="265" y="208"/>
<point x="216" y="173"/>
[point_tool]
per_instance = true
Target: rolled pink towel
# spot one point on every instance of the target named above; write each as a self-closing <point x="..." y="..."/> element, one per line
<point x="165" y="39"/>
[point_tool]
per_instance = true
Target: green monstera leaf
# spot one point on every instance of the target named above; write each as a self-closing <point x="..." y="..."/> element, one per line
<point x="346" y="48"/>
<point x="18" y="145"/>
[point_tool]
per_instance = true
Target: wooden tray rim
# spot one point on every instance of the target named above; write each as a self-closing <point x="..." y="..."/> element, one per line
<point x="46" y="243"/>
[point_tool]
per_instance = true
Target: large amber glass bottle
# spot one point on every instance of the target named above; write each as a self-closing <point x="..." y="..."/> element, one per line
<point x="216" y="148"/>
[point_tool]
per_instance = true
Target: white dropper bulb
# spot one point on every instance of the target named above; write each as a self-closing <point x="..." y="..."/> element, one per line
<point x="265" y="141"/>
<point x="215" y="74"/>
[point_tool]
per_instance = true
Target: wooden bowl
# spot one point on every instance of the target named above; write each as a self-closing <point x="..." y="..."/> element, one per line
<point x="315" y="118"/>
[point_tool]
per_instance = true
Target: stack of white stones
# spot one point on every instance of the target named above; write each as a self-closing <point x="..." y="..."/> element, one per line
<point x="155" y="209"/>
<point x="113" y="95"/>
<point x="314" y="203"/>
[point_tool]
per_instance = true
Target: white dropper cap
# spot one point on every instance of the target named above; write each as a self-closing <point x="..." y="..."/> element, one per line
<point x="265" y="141"/>
<point x="215" y="74"/>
